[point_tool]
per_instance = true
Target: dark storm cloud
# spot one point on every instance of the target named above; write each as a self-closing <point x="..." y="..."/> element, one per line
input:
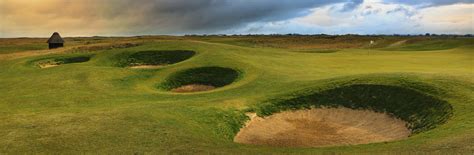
<point x="211" y="15"/>
<point x="152" y="16"/>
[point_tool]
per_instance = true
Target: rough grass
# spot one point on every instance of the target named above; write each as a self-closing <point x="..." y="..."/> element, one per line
<point x="211" y="76"/>
<point x="6" y="49"/>
<point x="429" y="44"/>
<point x="329" y="43"/>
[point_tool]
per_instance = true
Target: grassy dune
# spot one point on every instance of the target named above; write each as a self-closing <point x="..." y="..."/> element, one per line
<point x="97" y="106"/>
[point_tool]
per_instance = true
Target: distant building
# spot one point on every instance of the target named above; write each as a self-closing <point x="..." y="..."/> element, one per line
<point x="55" y="41"/>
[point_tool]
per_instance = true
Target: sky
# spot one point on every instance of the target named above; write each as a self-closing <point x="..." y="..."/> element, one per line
<point x="40" y="18"/>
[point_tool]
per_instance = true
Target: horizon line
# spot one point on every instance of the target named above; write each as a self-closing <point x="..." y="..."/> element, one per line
<point x="242" y="34"/>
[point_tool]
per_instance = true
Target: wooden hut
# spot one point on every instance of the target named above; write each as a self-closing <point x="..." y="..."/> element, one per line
<point x="55" y="41"/>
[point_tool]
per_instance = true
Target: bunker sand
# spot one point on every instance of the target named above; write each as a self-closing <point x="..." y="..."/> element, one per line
<point x="193" y="88"/>
<point x="147" y="66"/>
<point x="43" y="66"/>
<point x="322" y="127"/>
<point x="398" y="43"/>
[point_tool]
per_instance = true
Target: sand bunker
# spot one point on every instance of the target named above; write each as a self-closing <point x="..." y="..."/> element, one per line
<point x="155" y="59"/>
<point x="398" y="43"/>
<point x="192" y="88"/>
<point x="49" y="63"/>
<point x="322" y="127"/>
<point x="200" y="79"/>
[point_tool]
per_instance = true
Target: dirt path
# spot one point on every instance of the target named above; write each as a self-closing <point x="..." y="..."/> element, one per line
<point x="398" y="43"/>
<point x="322" y="127"/>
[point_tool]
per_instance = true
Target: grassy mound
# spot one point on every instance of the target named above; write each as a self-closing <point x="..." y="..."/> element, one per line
<point x="422" y="112"/>
<point x="103" y="47"/>
<point x="428" y="44"/>
<point x="63" y="60"/>
<point x="317" y="51"/>
<point x="156" y="58"/>
<point x="210" y="76"/>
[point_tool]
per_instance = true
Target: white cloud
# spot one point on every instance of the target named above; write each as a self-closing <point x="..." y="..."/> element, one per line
<point x="133" y="17"/>
<point x="458" y="18"/>
<point x="378" y="17"/>
<point x="370" y="17"/>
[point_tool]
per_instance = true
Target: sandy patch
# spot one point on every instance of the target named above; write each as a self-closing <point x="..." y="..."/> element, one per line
<point x="193" y="88"/>
<point x="322" y="127"/>
<point x="42" y="66"/>
<point x="398" y="43"/>
<point x="146" y="66"/>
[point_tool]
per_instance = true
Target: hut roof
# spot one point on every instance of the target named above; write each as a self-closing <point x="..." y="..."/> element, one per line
<point x="55" y="38"/>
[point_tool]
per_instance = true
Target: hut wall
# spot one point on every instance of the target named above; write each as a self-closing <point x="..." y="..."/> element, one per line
<point x="55" y="45"/>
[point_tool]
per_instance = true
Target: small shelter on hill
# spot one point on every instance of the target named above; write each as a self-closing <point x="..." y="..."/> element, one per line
<point x="55" y="41"/>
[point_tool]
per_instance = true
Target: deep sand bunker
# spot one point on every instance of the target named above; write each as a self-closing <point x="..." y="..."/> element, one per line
<point x="322" y="127"/>
<point x="156" y="59"/>
<point x="48" y="63"/>
<point x="200" y="79"/>
<point x="395" y="113"/>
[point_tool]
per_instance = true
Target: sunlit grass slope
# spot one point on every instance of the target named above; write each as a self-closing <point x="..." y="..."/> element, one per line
<point x="98" y="106"/>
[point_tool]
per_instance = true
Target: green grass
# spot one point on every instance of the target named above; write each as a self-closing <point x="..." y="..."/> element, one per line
<point x="6" y="49"/>
<point x="60" y="60"/>
<point x="329" y="44"/>
<point x="317" y="51"/>
<point x="100" y="107"/>
<point x="421" y="111"/>
<point x="155" y="57"/>
<point x="211" y="76"/>
<point x="429" y="44"/>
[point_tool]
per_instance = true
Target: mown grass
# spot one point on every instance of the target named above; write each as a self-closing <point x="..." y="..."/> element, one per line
<point x="99" y="107"/>
<point x="317" y="51"/>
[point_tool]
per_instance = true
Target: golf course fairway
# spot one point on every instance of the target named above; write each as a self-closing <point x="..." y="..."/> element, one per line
<point x="199" y="92"/>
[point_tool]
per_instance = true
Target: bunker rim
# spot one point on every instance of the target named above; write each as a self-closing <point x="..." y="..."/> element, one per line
<point x="346" y="115"/>
<point x="200" y="79"/>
